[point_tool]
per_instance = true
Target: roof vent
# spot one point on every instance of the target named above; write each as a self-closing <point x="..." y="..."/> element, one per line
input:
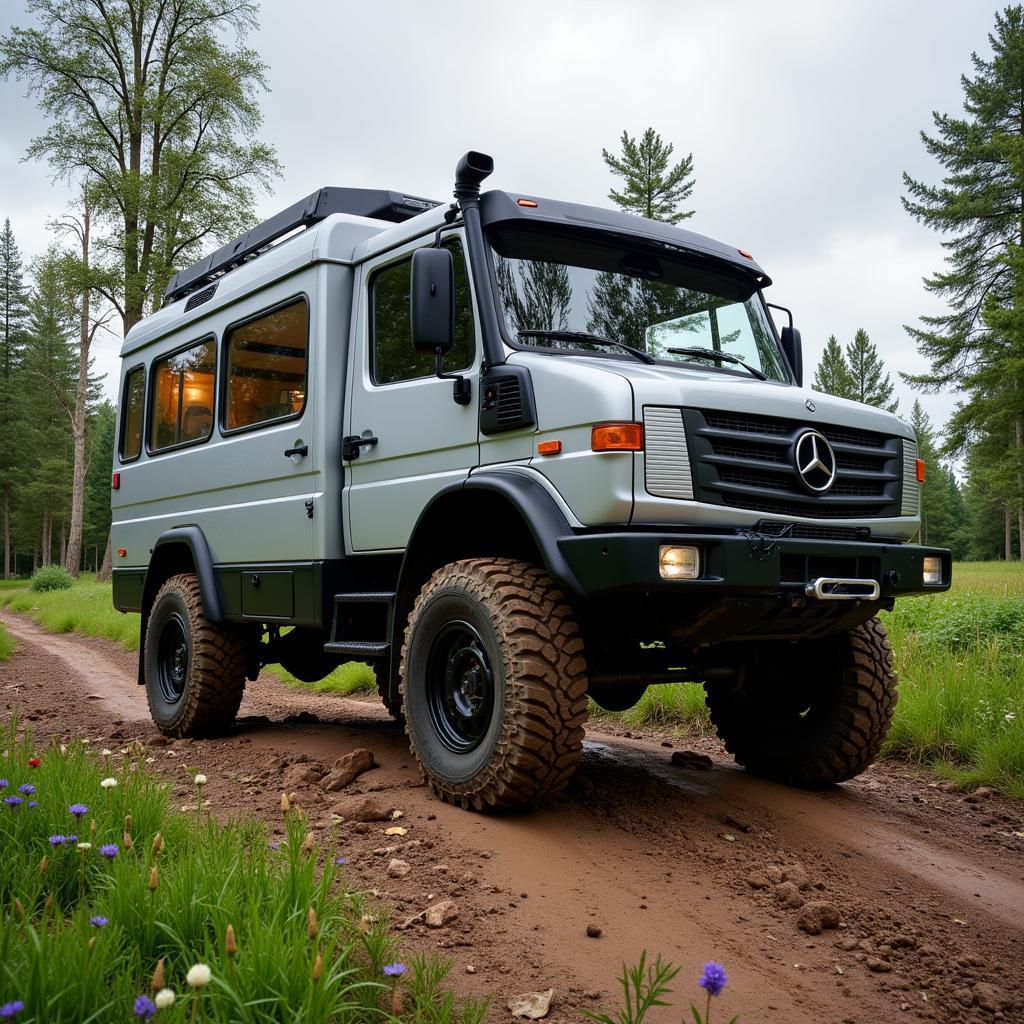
<point x="199" y="298"/>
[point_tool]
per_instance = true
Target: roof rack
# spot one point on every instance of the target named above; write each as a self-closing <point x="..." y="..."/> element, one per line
<point x="379" y="204"/>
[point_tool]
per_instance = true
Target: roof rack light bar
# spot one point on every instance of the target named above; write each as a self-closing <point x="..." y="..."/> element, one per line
<point x="379" y="204"/>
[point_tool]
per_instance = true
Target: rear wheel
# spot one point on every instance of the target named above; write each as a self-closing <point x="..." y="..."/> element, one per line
<point x="493" y="684"/>
<point x="194" y="669"/>
<point x="816" y="716"/>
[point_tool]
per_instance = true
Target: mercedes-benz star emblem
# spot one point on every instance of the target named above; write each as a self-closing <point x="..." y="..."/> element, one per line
<point x="815" y="461"/>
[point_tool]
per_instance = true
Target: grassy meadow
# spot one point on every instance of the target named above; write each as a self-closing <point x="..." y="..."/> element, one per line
<point x="960" y="658"/>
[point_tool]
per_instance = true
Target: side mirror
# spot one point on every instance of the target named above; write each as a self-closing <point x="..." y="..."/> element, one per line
<point x="790" y="338"/>
<point x="432" y="295"/>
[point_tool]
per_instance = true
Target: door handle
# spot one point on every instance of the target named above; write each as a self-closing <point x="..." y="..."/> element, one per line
<point x="350" y="446"/>
<point x="302" y="450"/>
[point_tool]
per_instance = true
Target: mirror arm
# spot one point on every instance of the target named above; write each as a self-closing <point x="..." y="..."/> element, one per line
<point x="462" y="389"/>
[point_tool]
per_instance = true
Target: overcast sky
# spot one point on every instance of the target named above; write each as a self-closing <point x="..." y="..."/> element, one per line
<point x="801" y="117"/>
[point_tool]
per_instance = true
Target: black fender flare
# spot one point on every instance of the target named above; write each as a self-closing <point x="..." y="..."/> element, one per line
<point x="194" y="539"/>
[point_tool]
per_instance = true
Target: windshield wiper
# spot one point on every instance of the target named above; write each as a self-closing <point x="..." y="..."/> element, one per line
<point x="592" y="339"/>
<point x="724" y="357"/>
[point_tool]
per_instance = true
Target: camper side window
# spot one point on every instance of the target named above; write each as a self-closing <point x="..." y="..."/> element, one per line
<point x="131" y="415"/>
<point x="182" y="405"/>
<point x="394" y="358"/>
<point x="266" y="367"/>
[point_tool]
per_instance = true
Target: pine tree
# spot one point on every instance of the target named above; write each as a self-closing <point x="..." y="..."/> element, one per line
<point x="976" y="345"/>
<point x="538" y="296"/>
<point x="941" y="504"/>
<point x="871" y="384"/>
<point x="14" y="314"/>
<point x="832" y="376"/>
<point x="653" y="187"/>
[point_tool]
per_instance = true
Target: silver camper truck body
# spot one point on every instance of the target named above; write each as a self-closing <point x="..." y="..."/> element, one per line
<point x="339" y="447"/>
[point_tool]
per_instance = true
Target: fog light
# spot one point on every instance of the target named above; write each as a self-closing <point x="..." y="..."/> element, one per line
<point x="678" y="563"/>
<point x="932" y="570"/>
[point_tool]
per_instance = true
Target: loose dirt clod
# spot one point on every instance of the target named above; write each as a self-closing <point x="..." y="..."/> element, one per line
<point x="816" y="915"/>
<point x="438" y="915"/>
<point x="362" y="808"/>
<point x="531" y="1005"/>
<point x="398" y="868"/>
<point x="593" y="932"/>
<point x="348" y="767"/>
<point x="788" y="895"/>
<point x="691" y="759"/>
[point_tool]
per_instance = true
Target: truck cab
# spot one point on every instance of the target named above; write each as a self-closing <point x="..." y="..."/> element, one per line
<point x="514" y="453"/>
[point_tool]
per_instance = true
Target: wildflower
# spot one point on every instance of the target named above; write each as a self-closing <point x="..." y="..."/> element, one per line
<point x="12" y="801"/>
<point x="285" y="803"/>
<point x="312" y="926"/>
<point x="78" y="810"/>
<point x="127" y="823"/>
<point x="32" y="803"/>
<point x="3" y="783"/>
<point x="1010" y="716"/>
<point x="71" y="839"/>
<point x="200" y="779"/>
<point x="10" y="1010"/>
<point x="84" y="846"/>
<point x="105" y="753"/>
<point x="164" y="998"/>
<point x="154" y="879"/>
<point x="318" y="968"/>
<point x="713" y="978"/>
<point x="108" y="783"/>
<point x="199" y="976"/>
<point x="144" y="1007"/>
<point x="19" y="908"/>
<point x="158" y="843"/>
<point x="126" y="841"/>
<point x="273" y="845"/>
<point x="109" y="850"/>
<point x="43" y="865"/>
<point x="98" y="921"/>
<point x="57" y="840"/>
<point x="34" y="762"/>
<point x="307" y="844"/>
<point x="395" y="970"/>
<point x="26" y="789"/>
<point x="92" y="827"/>
<point x="339" y="861"/>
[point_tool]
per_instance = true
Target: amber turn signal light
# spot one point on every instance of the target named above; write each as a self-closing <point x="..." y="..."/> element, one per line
<point x="920" y="471"/>
<point x="617" y="437"/>
<point x="528" y="203"/>
<point x="549" y="447"/>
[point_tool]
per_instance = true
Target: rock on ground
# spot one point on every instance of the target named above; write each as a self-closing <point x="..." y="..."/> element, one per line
<point x="439" y="914"/>
<point x="347" y="768"/>
<point x="362" y="808"/>
<point x="816" y="915"/>
<point x="531" y="1005"/>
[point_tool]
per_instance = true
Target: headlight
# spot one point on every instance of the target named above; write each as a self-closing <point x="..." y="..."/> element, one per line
<point x="932" y="575"/>
<point x="678" y="563"/>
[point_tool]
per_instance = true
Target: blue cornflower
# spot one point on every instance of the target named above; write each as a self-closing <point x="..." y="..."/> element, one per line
<point x="394" y="970"/>
<point x="110" y="850"/>
<point x="713" y="978"/>
<point x="271" y="845"/>
<point x="78" y="810"/>
<point x="340" y="860"/>
<point x="3" y="783"/>
<point x="71" y="839"/>
<point x="12" y="801"/>
<point x="98" y="921"/>
<point x="27" y="788"/>
<point x="9" y="1010"/>
<point x="58" y="840"/>
<point x="144" y="1007"/>
<point x="32" y="803"/>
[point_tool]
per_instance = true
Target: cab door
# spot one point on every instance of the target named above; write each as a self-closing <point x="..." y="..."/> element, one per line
<point x="424" y="440"/>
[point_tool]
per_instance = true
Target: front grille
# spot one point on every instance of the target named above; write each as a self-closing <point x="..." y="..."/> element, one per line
<point x="747" y="461"/>
<point x="810" y="531"/>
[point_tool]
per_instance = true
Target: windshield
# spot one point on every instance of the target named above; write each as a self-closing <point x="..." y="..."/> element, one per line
<point x="565" y="293"/>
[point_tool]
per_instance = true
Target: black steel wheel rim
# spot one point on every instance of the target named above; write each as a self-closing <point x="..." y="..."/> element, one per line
<point x="460" y="687"/>
<point x="174" y="653"/>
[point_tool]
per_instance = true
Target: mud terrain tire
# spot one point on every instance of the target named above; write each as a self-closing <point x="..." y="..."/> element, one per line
<point x="194" y="669"/>
<point x="819" y="717"/>
<point x="494" y="684"/>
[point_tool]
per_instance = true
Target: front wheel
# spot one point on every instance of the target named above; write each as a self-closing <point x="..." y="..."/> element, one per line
<point x="194" y="669"/>
<point x="812" y="715"/>
<point x="493" y="684"/>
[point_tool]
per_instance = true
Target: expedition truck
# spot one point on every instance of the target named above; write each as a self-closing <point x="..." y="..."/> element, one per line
<point x="510" y="452"/>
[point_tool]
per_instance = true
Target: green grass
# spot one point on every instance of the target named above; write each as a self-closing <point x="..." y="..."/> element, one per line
<point x="7" y="644"/>
<point x="177" y="904"/>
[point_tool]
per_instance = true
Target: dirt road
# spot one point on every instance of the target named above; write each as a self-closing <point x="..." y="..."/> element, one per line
<point x="694" y="864"/>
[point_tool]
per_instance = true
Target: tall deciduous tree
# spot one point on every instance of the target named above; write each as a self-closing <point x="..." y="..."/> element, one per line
<point x="974" y="345"/>
<point x="832" y="375"/>
<point x="14" y="314"/>
<point x="871" y="384"/>
<point x="152" y="103"/>
<point x="652" y="186"/>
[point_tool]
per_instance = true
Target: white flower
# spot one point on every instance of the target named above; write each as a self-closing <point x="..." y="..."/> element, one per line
<point x="108" y="783"/>
<point x="198" y="976"/>
<point x="164" y="998"/>
<point x="106" y="753"/>
<point x="1010" y="716"/>
<point x="150" y="760"/>
<point x="85" y="846"/>
<point x="200" y="780"/>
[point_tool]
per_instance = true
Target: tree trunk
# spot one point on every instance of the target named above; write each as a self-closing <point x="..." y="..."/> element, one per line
<point x="45" y="541"/>
<point x="73" y="559"/>
<point x="107" y="568"/>
<point x="7" y="535"/>
<point x="1020" y="486"/>
<point x="1007" y="534"/>
<point x="63" y="544"/>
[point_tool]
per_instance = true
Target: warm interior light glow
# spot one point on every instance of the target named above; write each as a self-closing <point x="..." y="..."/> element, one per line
<point x="617" y="437"/>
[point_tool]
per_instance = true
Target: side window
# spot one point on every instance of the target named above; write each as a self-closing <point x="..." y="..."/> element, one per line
<point x="393" y="357"/>
<point x="182" y="405"/>
<point x="131" y="414"/>
<point x="266" y="367"/>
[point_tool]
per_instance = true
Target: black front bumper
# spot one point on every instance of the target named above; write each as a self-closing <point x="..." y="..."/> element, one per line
<point x="745" y="564"/>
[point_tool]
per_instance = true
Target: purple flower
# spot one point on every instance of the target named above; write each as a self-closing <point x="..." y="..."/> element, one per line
<point x="394" y="970"/>
<point x="3" y="783"/>
<point x="110" y="850"/>
<point x="71" y="839"/>
<point x="144" y="1007"/>
<point x="12" y="801"/>
<point x="57" y="840"/>
<point x="98" y="921"/>
<point x="9" y="1010"/>
<point x="271" y="845"/>
<point x="27" y="788"/>
<point x="713" y="978"/>
<point x="32" y="803"/>
<point x="78" y="810"/>
<point x="340" y="860"/>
